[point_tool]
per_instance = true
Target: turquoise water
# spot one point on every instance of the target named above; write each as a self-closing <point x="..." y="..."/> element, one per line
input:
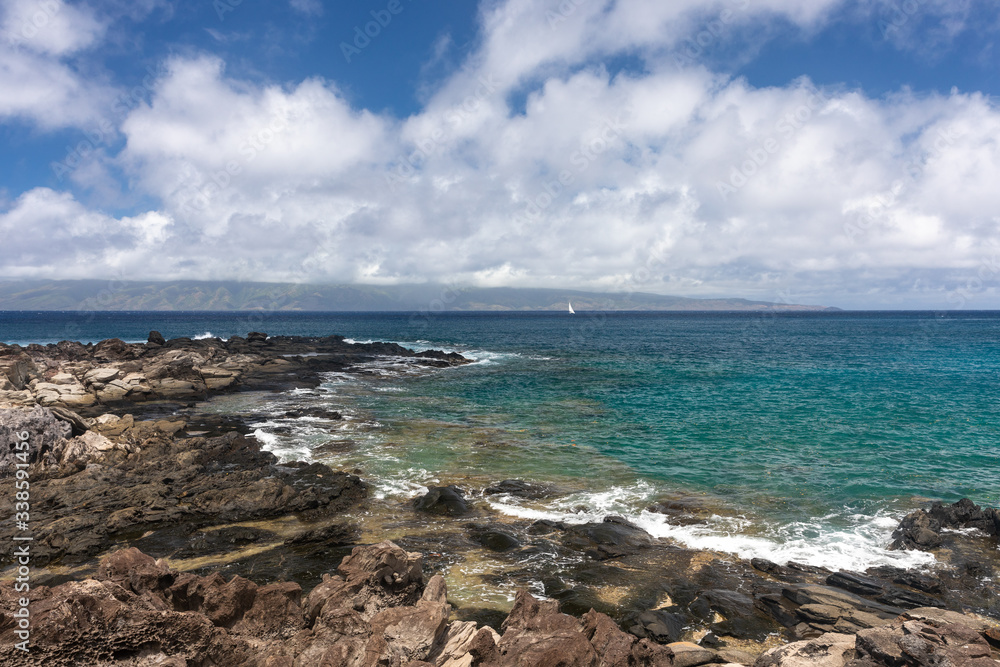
<point x="807" y="435"/>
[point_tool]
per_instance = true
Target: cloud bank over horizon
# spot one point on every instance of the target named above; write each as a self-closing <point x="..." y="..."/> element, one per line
<point x="582" y="144"/>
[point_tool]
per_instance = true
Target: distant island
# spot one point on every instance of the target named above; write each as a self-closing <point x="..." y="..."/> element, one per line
<point x="189" y="295"/>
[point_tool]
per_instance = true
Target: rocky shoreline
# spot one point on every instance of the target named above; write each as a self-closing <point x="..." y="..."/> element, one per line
<point x="113" y="466"/>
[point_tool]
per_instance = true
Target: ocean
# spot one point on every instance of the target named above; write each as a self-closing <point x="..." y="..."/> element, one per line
<point x="791" y="436"/>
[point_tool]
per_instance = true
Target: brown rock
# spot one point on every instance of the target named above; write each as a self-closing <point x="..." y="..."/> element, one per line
<point x="612" y="645"/>
<point x="276" y="612"/>
<point x="536" y="633"/>
<point x="828" y="650"/>
<point x="686" y="654"/>
<point x="404" y="634"/>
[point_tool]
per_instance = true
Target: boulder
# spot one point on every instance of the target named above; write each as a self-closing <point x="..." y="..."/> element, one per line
<point x="86" y="449"/>
<point x="612" y="538"/>
<point x="111" y="425"/>
<point x="493" y="537"/>
<point x="686" y="654"/>
<point x="404" y="634"/>
<point x="156" y="338"/>
<point x="101" y="375"/>
<point x="445" y="500"/>
<point x="46" y="434"/>
<point x="536" y="633"/>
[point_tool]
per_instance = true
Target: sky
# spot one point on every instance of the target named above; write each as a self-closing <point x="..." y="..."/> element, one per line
<point x="834" y="152"/>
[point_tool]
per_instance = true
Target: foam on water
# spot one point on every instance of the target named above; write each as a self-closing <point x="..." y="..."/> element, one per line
<point x="858" y="546"/>
<point x="480" y="357"/>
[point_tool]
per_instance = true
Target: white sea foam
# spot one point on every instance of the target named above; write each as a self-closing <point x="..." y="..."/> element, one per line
<point x="204" y="336"/>
<point x="856" y="547"/>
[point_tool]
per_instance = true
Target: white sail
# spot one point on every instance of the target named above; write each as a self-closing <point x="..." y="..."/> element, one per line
<point x="571" y="311"/>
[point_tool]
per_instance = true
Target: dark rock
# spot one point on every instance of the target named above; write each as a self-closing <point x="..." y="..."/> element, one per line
<point x="898" y="597"/>
<point x="545" y="527"/>
<point x="612" y="538"/>
<point x="493" y="538"/>
<point x="156" y="338"/>
<point x="825" y="595"/>
<point x="256" y="338"/>
<point x="114" y="349"/>
<point x="337" y="534"/>
<point x="922" y="529"/>
<point x="660" y="626"/>
<point x="445" y="500"/>
<point x="963" y="514"/>
<point x="223" y="540"/>
<point x="779" y="608"/>
<point x="740" y="616"/>
<point x="321" y="413"/>
<point x="855" y="583"/>
<point x="516" y="487"/>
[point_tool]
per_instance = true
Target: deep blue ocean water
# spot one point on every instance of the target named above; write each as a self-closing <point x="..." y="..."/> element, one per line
<point x="806" y="435"/>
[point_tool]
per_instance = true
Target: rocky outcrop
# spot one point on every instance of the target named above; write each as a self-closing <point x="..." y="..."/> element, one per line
<point x="612" y="538"/>
<point x="922" y="529"/>
<point x="80" y="377"/>
<point x="448" y="500"/>
<point x="123" y="477"/>
<point x="377" y="609"/>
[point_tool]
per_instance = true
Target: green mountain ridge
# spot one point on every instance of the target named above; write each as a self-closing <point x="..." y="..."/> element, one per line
<point x="101" y="295"/>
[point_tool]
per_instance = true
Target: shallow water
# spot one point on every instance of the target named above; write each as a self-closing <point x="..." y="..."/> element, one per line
<point x="805" y="436"/>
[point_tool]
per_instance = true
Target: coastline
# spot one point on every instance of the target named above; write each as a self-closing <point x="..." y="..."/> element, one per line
<point x="110" y="408"/>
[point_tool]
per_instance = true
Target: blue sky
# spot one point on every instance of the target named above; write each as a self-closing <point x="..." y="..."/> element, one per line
<point x="832" y="152"/>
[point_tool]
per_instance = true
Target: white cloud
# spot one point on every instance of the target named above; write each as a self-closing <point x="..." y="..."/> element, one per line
<point x="717" y="187"/>
<point x="36" y="83"/>
<point x="51" y="27"/>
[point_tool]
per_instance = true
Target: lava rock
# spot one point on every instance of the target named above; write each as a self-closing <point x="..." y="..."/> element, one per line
<point x="445" y="500"/>
<point x="493" y="538"/>
<point x="612" y="538"/>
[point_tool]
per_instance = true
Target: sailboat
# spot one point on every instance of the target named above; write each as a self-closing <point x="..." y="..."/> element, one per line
<point x="571" y="311"/>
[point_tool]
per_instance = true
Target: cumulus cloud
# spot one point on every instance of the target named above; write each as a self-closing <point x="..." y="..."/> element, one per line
<point x="36" y="81"/>
<point x="661" y="178"/>
<point x="48" y="233"/>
